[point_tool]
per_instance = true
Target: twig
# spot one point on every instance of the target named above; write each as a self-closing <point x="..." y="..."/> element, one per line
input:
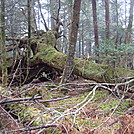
<point x="14" y="74"/>
<point x="120" y="100"/>
<point x="35" y="128"/>
<point x="57" y="99"/>
<point x="121" y="84"/>
<point x="28" y="100"/>
<point x="6" y="101"/>
<point x="9" y="115"/>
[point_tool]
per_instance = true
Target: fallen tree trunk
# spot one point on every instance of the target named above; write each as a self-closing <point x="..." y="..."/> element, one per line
<point x="86" y="69"/>
<point x="46" y="53"/>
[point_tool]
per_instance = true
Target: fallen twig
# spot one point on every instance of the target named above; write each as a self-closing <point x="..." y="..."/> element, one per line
<point x="7" y="100"/>
<point x="30" y="100"/>
<point x="34" y="128"/>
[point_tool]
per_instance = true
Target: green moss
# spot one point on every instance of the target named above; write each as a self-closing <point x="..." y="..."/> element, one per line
<point x="84" y="68"/>
<point x="34" y="114"/>
<point x="94" y="124"/>
<point x="113" y="103"/>
<point x="0" y="124"/>
<point x="83" y="122"/>
<point x="49" y="39"/>
<point x="99" y="95"/>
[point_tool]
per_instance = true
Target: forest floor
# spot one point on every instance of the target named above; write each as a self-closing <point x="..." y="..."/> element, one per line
<point x="86" y="111"/>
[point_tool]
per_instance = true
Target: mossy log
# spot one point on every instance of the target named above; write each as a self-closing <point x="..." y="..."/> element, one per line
<point x="86" y="69"/>
<point x="46" y="53"/>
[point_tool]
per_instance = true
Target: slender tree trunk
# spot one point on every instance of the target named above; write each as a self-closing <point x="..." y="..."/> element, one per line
<point x="3" y="48"/>
<point x="33" y="17"/>
<point x="80" y="45"/>
<point x="82" y="39"/>
<point x="29" y="37"/>
<point x="42" y="16"/>
<point x="54" y="5"/>
<point x="96" y="37"/>
<point x="29" y="20"/>
<point x="128" y="39"/>
<point x="117" y="32"/>
<point x="125" y="13"/>
<point x="117" y="24"/>
<point x="72" y="41"/>
<point x="65" y="31"/>
<point x="107" y="19"/>
<point x="130" y="23"/>
<point x="70" y="16"/>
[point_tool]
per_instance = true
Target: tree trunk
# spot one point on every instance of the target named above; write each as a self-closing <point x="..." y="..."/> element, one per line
<point x="72" y="41"/>
<point x="129" y="28"/>
<point x="33" y="17"/>
<point x="3" y="47"/>
<point x="107" y="19"/>
<point x="117" y="25"/>
<point x="54" y="11"/>
<point x="96" y="37"/>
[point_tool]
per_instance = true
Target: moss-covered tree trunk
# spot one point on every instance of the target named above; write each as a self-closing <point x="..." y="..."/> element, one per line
<point x="46" y="53"/>
<point x="89" y="70"/>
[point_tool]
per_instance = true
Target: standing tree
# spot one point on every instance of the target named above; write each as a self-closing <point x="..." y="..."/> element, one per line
<point x="117" y="24"/>
<point x="29" y="21"/>
<point x="129" y="27"/>
<point x="72" y="41"/>
<point x="107" y="19"/>
<point x="96" y="37"/>
<point x="54" y="10"/>
<point x="3" y="47"/>
<point x="29" y="37"/>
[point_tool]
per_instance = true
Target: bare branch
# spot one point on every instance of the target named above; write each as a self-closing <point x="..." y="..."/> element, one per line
<point x="35" y="128"/>
<point x="30" y="100"/>
<point x="7" y="101"/>
<point x="45" y="24"/>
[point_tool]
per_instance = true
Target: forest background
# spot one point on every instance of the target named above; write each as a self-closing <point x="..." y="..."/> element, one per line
<point x="62" y="41"/>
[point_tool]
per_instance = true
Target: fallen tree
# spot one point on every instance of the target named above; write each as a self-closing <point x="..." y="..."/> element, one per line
<point x="45" y="53"/>
<point x="86" y="69"/>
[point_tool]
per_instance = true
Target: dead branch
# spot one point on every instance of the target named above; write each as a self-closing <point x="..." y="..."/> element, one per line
<point x="8" y="114"/>
<point x="35" y="128"/>
<point x="30" y="100"/>
<point x="7" y="101"/>
<point x="66" y="97"/>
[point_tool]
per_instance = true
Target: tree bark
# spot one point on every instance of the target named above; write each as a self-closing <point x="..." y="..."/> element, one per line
<point x="130" y="23"/>
<point x="107" y="19"/>
<point x="2" y="43"/>
<point x="95" y="21"/>
<point x="72" y="41"/>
